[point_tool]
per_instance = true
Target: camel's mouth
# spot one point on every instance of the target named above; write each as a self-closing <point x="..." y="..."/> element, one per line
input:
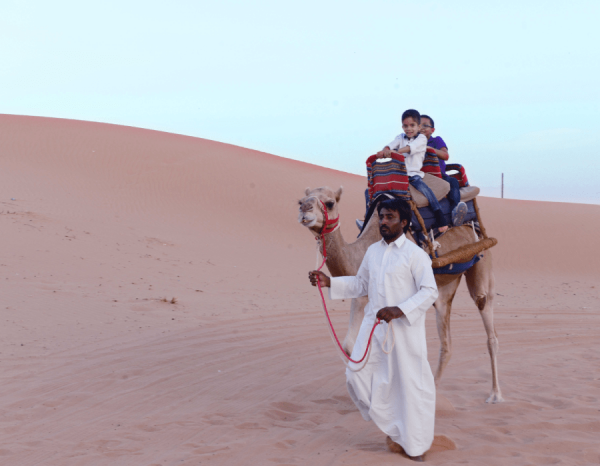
<point x="307" y="219"/>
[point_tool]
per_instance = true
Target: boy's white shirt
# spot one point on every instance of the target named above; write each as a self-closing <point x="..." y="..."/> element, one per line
<point x="418" y="147"/>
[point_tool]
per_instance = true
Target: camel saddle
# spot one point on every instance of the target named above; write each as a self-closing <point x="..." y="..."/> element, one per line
<point x="389" y="176"/>
<point x="441" y="189"/>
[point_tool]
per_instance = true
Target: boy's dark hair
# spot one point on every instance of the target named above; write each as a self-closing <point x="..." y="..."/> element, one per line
<point x="397" y="205"/>
<point x="430" y="119"/>
<point x="411" y="113"/>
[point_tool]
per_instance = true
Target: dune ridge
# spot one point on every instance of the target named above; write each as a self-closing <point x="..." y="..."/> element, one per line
<point x="104" y="225"/>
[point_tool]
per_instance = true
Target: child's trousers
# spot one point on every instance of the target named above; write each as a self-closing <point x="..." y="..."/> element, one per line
<point x="418" y="183"/>
<point x="454" y="194"/>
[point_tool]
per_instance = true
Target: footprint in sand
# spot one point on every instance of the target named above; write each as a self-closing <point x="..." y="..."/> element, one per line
<point x="250" y="426"/>
<point x="209" y="450"/>
<point x="544" y="460"/>
<point x="442" y="443"/>
<point x="115" y="448"/>
<point x="371" y="446"/>
<point x="214" y="419"/>
<point x="288" y="407"/>
<point x="147" y="428"/>
<point x="337" y="400"/>
<point x="443" y="406"/>
<point x="281" y="415"/>
<point x="329" y="401"/>
<point x="343" y="399"/>
<point x="284" y="461"/>
<point x="285" y="444"/>
<point x="332" y="402"/>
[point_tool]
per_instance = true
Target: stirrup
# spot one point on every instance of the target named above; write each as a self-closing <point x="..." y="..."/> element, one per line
<point x="459" y="213"/>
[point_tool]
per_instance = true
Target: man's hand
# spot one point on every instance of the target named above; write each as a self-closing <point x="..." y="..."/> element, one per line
<point x="315" y="276"/>
<point x="389" y="313"/>
<point x="385" y="153"/>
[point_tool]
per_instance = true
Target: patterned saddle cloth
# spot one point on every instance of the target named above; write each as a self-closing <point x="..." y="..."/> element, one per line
<point x="389" y="177"/>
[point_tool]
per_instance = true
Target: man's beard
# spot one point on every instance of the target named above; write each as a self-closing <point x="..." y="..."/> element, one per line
<point x="388" y="234"/>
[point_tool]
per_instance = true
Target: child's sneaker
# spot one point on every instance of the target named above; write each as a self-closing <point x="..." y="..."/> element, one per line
<point x="459" y="213"/>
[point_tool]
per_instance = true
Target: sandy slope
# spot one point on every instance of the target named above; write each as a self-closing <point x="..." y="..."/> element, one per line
<point x="99" y="368"/>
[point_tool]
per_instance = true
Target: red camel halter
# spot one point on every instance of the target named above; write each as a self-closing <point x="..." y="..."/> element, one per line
<point x="328" y="227"/>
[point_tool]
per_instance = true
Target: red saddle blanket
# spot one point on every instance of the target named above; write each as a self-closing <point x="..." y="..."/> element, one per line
<point x="388" y="176"/>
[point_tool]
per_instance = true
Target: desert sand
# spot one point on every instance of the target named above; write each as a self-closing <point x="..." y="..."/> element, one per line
<point x="155" y="311"/>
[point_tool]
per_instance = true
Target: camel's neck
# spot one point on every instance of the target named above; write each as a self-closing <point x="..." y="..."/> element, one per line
<point x="344" y="259"/>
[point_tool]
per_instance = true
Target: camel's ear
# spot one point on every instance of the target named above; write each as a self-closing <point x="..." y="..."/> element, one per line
<point x="307" y="192"/>
<point x="338" y="193"/>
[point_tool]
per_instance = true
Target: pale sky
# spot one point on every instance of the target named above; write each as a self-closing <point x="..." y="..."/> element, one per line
<point x="512" y="86"/>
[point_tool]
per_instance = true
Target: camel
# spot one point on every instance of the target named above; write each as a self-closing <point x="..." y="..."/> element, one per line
<point x="344" y="259"/>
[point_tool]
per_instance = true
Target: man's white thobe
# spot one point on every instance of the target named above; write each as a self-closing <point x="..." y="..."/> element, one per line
<point x="395" y="390"/>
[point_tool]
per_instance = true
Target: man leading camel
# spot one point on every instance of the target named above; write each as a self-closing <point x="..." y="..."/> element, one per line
<point x="395" y="390"/>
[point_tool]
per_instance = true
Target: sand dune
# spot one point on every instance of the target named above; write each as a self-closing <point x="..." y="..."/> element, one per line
<point x="104" y="225"/>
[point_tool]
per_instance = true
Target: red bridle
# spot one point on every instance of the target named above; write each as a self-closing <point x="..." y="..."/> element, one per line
<point x="328" y="225"/>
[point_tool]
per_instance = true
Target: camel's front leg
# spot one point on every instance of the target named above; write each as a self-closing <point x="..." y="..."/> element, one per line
<point x="480" y="281"/>
<point x="357" y="312"/>
<point x="443" y="305"/>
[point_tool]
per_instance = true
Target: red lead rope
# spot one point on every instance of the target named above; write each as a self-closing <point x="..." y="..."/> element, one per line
<point x="327" y="226"/>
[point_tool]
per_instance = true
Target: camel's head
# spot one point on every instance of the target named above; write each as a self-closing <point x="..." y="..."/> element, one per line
<point x="310" y="211"/>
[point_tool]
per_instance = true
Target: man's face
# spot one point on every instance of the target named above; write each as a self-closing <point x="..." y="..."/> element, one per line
<point x="390" y="226"/>
<point x="426" y="128"/>
<point x="410" y="127"/>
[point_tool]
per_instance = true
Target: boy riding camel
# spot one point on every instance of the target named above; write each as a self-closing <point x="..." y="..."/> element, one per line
<point x="437" y="144"/>
<point x="413" y="145"/>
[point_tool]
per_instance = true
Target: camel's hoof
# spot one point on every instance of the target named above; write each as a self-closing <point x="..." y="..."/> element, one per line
<point x="495" y="398"/>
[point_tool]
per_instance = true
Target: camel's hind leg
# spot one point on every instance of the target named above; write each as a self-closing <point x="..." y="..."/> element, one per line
<point x="443" y="306"/>
<point x="480" y="281"/>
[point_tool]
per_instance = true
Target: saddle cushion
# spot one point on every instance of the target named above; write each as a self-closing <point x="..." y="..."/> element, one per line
<point x="439" y="187"/>
<point x="469" y="193"/>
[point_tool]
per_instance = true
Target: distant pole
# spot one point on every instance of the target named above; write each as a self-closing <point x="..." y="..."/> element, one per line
<point x="502" y="189"/>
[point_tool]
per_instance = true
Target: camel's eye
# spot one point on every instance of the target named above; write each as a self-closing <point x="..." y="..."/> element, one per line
<point x="329" y="204"/>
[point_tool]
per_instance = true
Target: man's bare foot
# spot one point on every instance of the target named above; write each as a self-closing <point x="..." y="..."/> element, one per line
<point x="395" y="448"/>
